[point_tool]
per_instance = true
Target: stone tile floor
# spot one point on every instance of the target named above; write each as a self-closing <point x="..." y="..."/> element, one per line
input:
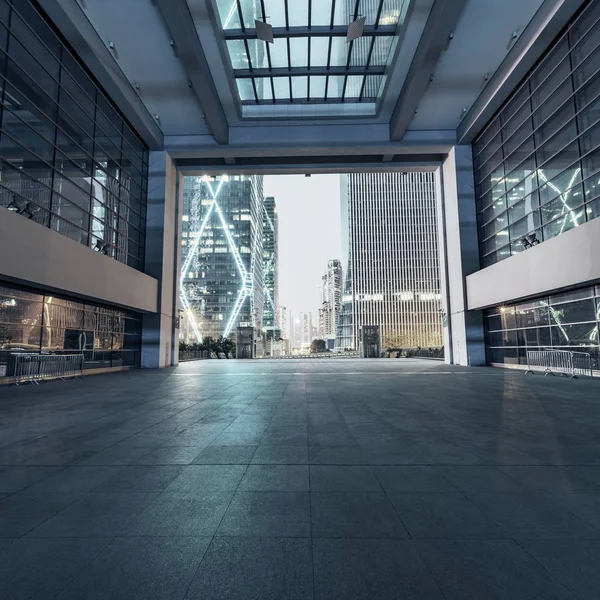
<point x="293" y="480"/>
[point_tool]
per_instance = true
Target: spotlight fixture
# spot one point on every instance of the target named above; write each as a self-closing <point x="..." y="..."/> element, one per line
<point x="356" y="29"/>
<point x="530" y="240"/>
<point x="307" y="175"/>
<point x="101" y="247"/>
<point x="23" y="207"/>
<point x="264" y="31"/>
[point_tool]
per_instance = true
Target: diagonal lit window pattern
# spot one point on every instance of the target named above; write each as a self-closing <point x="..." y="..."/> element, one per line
<point x="310" y="61"/>
<point x="246" y="288"/>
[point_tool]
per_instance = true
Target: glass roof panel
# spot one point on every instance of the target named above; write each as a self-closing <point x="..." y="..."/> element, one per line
<point x="279" y="53"/>
<point x="245" y="89"/>
<point x="321" y="12"/>
<point x="298" y="11"/>
<point x="299" y="51"/>
<point x="263" y="88"/>
<point x="319" y="48"/>
<point x="300" y="88"/>
<point x="339" y="51"/>
<point x="229" y="14"/>
<point x="251" y="10"/>
<point x="317" y="86"/>
<point x="282" y="88"/>
<point x="275" y="12"/>
<point x="335" y="86"/>
<point x="237" y="53"/>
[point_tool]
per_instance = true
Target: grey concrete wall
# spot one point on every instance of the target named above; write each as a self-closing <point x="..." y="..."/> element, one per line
<point x="461" y="257"/>
<point x="160" y="332"/>
<point x="31" y="254"/>
<point x="568" y="260"/>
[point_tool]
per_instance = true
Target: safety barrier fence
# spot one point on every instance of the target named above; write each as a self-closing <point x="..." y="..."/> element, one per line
<point x="33" y="368"/>
<point x="563" y="362"/>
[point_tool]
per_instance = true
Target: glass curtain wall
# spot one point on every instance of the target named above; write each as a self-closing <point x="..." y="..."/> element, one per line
<point x="567" y="321"/>
<point x="32" y="321"/>
<point x="537" y="163"/>
<point x="68" y="159"/>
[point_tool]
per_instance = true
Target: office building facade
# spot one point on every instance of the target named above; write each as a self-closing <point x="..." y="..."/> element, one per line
<point x="270" y="262"/>
<point x="222" y="284"/>
<point x="331" y="299"/>
<point x="390" y="242"/>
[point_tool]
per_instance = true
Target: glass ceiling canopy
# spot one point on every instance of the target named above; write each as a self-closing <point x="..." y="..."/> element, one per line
<point x="310" y="69"/>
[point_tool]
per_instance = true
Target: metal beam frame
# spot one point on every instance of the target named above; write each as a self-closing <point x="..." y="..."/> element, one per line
<point x="178" y="19"/>
<point x="300" y="71"/>
<point x="319" y="31"/>
<point x="442" y="20"/>
<point x="546" y="24"/>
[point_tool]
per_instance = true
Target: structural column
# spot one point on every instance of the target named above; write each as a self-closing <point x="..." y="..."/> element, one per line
<point x="160" y="335"/>
<point x="459" y="257"/>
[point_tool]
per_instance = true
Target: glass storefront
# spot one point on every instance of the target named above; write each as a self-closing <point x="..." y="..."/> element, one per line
<point x="537" y="163"/>
<point x="566" y="321"/>
<point x="36" y="322"/>
<point x="68" y="159"/>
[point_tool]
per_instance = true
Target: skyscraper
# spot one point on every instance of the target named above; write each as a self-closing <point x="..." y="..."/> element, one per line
<point x="283" y="322"/>
<point x="306" y="329"/>
<point x="331" y="299"/>
<point x="270" y="262"/>
<point x="389" y="239"/>
<point x="222" y="255"/>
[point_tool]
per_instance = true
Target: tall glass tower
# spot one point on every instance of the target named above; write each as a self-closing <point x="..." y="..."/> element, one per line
<point x="270" y="260"/>
<point x="222" y="283"/>
<point x="391" y="261"/>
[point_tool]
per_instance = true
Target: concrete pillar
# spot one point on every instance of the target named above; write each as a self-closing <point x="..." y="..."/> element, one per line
<point x="459" y="257"/>
<point x="160" y="331"/>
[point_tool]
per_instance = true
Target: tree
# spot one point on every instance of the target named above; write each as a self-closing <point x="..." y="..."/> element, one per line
<point x="318" y="346"/>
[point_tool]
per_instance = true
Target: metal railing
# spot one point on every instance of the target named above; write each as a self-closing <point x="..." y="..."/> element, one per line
<point x="33" y="368"/>
<point x="564" y="362"/>
<point x="185" y="355"/>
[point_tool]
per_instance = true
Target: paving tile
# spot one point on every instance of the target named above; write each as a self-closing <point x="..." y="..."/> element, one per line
<point x="343" y="478"/>
<point x="255" y="569"/>
<point x="336" y="455"/>
<point x="478" y="569"/>
<point x="293" y="438"/>
<point x="572" y="562"/>
<point x="368" y="569"/>
<point x="551" y="480"/>
<point x="135" y="569"/>
<point x="585" y="506"/>
<point x="443" y="515"/>
<point x="530" y="516"/>
<point x="280" y="455"/>
<point x="267" y="514"/>
<point x="36" y="569"/>
<point x="331" y="439"/>
<point x="393" y="455"/>
<point x="20" y="513"/>
<point x="176" y="515"/>
<point x="354" y="515"/>
<point x="275" y="478"/>
<point x="238" y="438"/>
<point x="95" y="515"/>
<point x="16" y="478"/>
<point x="225" y="455"/>
<point x="170" y="455"/>
<point x="422" y="478"/>
<point x="208" y="478"/>
<point x="140" y="479"/>
<point x="481" y="479"/>
<point x="75" y="480"/>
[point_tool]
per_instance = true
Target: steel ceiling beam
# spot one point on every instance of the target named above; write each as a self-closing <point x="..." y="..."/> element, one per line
<point x="442" y="21"/>
<point x="299" y="71"/>
<point x="176" y="15"/>
<point x="320" y="31"/>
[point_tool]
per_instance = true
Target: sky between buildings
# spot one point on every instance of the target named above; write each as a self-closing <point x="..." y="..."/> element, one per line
<point x="309" y="235"/>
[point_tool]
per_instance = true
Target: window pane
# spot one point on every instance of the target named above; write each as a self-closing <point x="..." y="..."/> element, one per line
<point x="237" y="54"/>
<point x="245" y="89"/>
<point x="317" y="86"/>
<point x="300" y="87"/>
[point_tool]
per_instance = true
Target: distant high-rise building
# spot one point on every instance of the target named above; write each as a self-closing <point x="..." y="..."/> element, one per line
<point x="331" y="299"/>
<point x="391" y="270"/>
<point x="270" y="262"/>
<point x="295" y="331"/>
<point x="282" y="322"/>
<point x="306" y="325"/>
<point x="222" y="255"/>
